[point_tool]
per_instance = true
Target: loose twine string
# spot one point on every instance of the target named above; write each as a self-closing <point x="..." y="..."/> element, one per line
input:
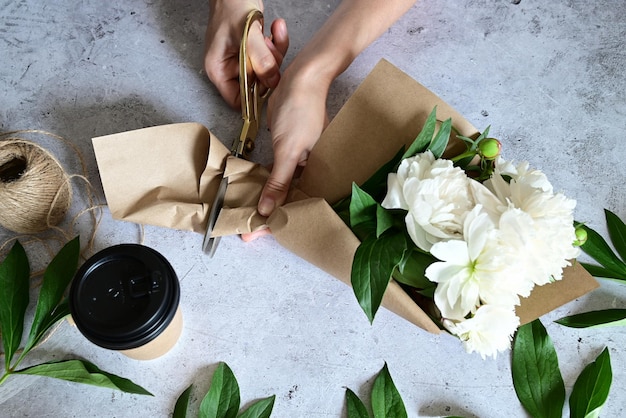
<point x="35" y="195"/>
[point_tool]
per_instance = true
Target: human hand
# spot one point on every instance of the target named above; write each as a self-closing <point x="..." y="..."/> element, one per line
<point x="222" y="42"/>
<point x="296" y="116"/>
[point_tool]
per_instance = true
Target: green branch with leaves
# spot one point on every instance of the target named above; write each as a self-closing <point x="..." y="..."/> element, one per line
<point x="223" y="399"/>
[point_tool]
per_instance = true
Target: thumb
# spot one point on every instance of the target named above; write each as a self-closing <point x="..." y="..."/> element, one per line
<point x="276" y="187"/>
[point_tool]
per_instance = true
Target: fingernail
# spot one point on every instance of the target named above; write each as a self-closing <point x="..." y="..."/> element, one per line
<point x="266" y="206"/>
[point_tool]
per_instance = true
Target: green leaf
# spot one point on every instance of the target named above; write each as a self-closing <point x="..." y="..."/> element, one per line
<point x="354" y="405"/>
<point x="56" y="278"/>
<point x="536" y="376"/>
<point x="592" y="319"/>
<point x="376" y="185"/>
<point x="362" y="213"/>
<point x="592" y="387"/>
<point x="384" y="220"/>
<point x="386" y="400"/>
<point x="425" y="137"/>
<point x="222" y="399"/>
<point x="440" y="141"/>
<point x="14" y="283"/>
<point x="411" y="270"/>
<point x="260" y="409"/>
<point x="80" y="371"/>
<point x="617" y="232"/>
<point x="373" y="264"/>
<point x="182" y="404"/>
<point x="597" y="248"/>
<point x="362" y="206"/>
<point x="601" y="272"/>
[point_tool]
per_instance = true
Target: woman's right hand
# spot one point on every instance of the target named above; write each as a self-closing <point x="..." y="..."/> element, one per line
<point x="222" y="42"/>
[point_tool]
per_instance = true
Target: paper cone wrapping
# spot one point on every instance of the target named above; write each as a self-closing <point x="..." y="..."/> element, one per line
<point x="168" y="176"/>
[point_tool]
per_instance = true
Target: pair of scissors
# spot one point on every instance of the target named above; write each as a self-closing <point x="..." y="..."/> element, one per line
<point x="252" y="99"/>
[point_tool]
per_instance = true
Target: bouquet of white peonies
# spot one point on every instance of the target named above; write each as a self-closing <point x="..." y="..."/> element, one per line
<point x="473" y="234"/>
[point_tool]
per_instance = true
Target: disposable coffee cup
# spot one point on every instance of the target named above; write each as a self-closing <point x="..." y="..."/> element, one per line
<point x="126" y="298"/>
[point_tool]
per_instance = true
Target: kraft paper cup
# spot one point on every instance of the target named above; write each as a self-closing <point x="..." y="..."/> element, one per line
<point x="126" y="298"/>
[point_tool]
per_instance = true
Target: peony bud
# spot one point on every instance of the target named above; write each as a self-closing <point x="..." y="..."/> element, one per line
<point x="489" y="148"/>
<point x="581" y="236"/>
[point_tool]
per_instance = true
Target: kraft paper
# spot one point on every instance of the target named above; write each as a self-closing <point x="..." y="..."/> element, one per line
<point x="169" y="175"/>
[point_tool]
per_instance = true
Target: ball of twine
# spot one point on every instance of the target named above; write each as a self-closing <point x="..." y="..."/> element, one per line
<point x="35" y="190"/>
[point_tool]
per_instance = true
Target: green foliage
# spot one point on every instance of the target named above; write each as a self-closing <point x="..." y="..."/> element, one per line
<point x="222" y="399"/>
<point x="592" y="387"/>
<point x="182" y="404"/>
<point x="536" y="375"/>
<point x="612" y="264"/>
<point x="386" y="401"/>
<point x="14" y="280"/>
<point x="356" y="408"/>
<point x="56" y="279"/>
<point x="412" y="271"/>
<point x="594" y="319"/>
<point x="538" y="382"/>
<point x="384" y="246"/>
<point x="80" y="371"/>
<point x="51" y="308"/>
<point x="374" y="263"/>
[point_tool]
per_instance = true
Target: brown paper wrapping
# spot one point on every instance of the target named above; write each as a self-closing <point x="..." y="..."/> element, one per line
<point x="168" y="176"/>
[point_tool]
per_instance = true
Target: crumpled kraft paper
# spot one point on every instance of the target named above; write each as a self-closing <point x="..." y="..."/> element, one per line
<point x="168" y="176"/>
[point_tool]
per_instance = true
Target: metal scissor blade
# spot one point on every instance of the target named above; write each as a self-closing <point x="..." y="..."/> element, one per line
<point x="209" y="244"/>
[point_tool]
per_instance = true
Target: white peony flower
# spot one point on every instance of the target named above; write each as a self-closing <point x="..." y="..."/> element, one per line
<point x="436" y="195"/>
<point x="488" y="332"/>
<point x="473" y="271"/>
<point x="546" y="240"/>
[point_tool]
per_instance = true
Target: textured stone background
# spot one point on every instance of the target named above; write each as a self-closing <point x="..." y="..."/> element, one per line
<point x="548" y="77"/>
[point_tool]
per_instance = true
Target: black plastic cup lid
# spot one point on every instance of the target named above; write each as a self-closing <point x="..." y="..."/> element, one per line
<point x="124" y="296"/>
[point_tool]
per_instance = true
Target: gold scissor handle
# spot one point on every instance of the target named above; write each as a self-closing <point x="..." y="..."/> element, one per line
<point x="252" y="99"/>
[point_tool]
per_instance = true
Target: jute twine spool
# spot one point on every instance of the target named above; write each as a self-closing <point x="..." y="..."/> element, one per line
<point x="35" y="190"/>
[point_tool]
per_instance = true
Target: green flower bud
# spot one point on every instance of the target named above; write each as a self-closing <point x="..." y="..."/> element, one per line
<point x="489" y="148"/>
<point x="581" y="236"/>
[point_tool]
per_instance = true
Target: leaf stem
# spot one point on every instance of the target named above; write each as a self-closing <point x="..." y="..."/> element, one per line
<point x="468" y="153"/>
<point x="5" y="377"/>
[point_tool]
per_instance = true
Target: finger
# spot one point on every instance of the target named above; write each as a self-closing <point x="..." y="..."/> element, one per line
<point x="261" y="57"/>
<point x="277" y="185"/>
<point x="280" y="36"/>
<point x="224" y="74"/>
<point x="230" y="92"/>
<point x="251" y="236"/>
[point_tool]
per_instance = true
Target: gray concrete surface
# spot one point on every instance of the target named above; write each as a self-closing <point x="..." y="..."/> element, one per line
<point x="547" y="76"/>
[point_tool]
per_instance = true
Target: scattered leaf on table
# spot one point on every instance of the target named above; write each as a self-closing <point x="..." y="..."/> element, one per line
<point x="591" y="389"/>
<point x="386" y="400"/>
<point x="598" y="249"/>
<point x="617" y="232"/>
<point x="56" y="279"/>
<point x="259" y="409"/>
<point x="604" y="273"/>
<point x="600" y="318"/>
<point x="80" y="371"/>
<point x="182" y="403"/>
<point x="354" y="405"/>
<point x="14" y="287"/>
<point x="536" y="376"/>
<point x="222" y="399"/>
